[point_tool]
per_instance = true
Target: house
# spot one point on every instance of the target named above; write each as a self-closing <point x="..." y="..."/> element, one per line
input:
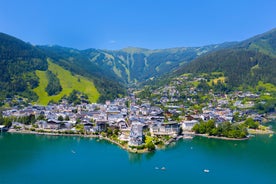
<point x="42" y="124"/>
<point x="122" y="125"/>
<point x="53" y="124"/>
<point x="188" y="125"/>
<point x="66" y="125"/>
<point x="136" y="134"/>
<point x="165" y="128"/>
<point x="88" y="127"/>
<point x="100" y="126"/>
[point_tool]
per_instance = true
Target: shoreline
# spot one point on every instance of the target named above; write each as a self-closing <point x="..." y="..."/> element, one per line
<point x="222" y="138"/>
<point x="79" y="135"/>
<point x="126" y="147"/>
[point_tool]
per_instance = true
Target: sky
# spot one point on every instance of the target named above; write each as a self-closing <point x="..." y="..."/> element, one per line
<point x="152" y="24"/>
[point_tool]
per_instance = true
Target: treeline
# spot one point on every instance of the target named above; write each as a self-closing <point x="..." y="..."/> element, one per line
<point x="225" y="129"/>
<point x="54" y="86"/>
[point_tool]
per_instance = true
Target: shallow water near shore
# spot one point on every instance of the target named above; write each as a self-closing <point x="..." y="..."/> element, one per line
<point x="59" y="159"/>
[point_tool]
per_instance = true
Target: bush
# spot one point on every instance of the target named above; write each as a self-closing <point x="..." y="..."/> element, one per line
<point x="150" y="146"/>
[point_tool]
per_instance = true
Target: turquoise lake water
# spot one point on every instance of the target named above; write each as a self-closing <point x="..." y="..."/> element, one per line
<point x="57" y="159"/>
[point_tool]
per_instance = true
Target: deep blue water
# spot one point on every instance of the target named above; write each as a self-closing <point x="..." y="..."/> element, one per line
<point x="58" y="159"/>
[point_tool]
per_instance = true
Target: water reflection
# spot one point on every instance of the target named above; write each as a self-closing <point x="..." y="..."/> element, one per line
<point x="149" y="155"/>
<point x="135" y="157"/>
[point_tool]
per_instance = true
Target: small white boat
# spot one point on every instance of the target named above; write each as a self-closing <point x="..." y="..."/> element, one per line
<point x="163" y="168"/>
<point x="206" y="170"/>
<point x="156" y="168"/>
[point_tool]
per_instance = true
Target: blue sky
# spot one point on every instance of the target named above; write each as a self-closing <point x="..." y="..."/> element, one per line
<point x="115" y="24"/>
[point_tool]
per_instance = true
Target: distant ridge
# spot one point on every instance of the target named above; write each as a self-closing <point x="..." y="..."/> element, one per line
<point x="20" y="62"/>
<point x="246" y="63"/>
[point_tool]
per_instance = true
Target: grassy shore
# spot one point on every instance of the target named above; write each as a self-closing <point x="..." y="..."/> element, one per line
<point x="258" y="131"/>
<point x="223" y="138"/>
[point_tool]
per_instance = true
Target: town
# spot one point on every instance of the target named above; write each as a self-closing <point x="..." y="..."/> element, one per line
<point x="148" y="119"/>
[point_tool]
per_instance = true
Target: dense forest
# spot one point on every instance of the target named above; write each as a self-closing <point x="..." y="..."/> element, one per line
<point x="19" y="61"/>
<point x="240" y="67"/>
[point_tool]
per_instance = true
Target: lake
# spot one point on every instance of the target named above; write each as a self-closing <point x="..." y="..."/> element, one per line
<point x="58" y="159"/>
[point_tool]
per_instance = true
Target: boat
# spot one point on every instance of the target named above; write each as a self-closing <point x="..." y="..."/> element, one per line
<point x="163" y="168"/>
<point x="206" y="170"/>
<point x="156" y="168"/>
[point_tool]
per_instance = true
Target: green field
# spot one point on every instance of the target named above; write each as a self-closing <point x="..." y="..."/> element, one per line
<point x="68" y="83"/>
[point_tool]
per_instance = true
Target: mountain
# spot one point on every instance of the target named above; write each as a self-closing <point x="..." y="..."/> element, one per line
<point x="19" y="61"/>
<point x="245" y="63"/>
<point x="34" y="71"/>
<point x="107" y="83"/>
<point x="265" y="43"/>
<point x="25" y="68"/>
<point x="132" y="65"/>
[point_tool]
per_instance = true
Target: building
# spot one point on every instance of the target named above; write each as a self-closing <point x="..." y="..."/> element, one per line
<point x="136" y="134"/>
<point x="188" y="125"/>
<point x="165" y="128"/>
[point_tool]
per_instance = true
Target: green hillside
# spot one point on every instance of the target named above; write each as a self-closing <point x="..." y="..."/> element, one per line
<point x="243" y="65"/>
<point x="19" y="61"/>
<point x="68" y="83"/>
<point x="265" y="43"/>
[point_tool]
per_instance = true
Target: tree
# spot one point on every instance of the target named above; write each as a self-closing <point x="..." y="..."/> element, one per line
<point x="31" y="119"/>
<point x="60" y="118"/>
<point x="150" y="146"/>
<point x="203" y="86"/>
<point x="210" y="125"/>
<point x="67" y="118"/>
<point x="196" y="128"/>
<point x="41" y="117"/>
<point x="250" y="123"/>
